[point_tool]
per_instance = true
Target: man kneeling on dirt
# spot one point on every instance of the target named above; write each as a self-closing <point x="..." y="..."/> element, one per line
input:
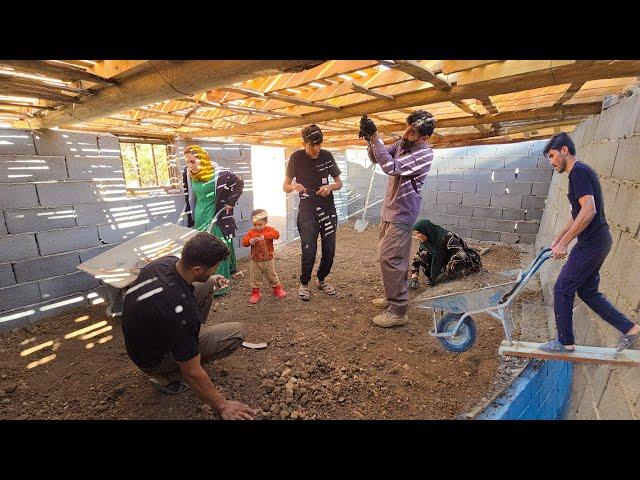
<point x="163" y="323"/>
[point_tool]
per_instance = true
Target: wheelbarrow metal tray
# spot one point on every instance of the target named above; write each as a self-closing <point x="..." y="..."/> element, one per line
<point x="462" y="302"/>
<point x="120" y="265"/>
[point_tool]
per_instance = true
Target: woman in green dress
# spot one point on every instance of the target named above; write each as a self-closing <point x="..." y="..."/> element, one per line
<point x="209" y="190"/>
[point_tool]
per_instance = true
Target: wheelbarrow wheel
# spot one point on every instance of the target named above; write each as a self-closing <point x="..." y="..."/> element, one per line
<point x="465" y="337"/>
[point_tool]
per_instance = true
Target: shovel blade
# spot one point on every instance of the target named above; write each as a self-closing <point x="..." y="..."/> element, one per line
<point x="361" y="225"/>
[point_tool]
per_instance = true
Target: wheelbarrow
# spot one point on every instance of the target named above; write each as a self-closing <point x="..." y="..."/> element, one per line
<point x="454" y="327"/>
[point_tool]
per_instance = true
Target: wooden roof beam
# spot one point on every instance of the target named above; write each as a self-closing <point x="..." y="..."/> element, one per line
<point x="40" y="94"/>
<point x="26" y="105"/>
<point x="28" y="82"/>
<point x="56" y="71"/>
<point x="362" y="89"/>
<point x="298" y="101"/>
<point x="419" y="72"/>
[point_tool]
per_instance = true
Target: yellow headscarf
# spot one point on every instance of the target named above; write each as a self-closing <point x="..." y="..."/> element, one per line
<point x="207" y="169"/>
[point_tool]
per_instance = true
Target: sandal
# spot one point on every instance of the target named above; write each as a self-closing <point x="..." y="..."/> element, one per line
<point x="171" y="388"/>
<point x="304" y="293"/>
<point x="626" y="341"/>
<point x="326" y="288"/>
<point x="554" y="346"/>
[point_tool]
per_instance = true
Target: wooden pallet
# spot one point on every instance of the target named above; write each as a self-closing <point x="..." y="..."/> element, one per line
<point x="597" y="355"/>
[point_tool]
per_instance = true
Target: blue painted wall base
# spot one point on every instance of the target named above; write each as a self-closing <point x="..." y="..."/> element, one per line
<point x="541" y="392"/>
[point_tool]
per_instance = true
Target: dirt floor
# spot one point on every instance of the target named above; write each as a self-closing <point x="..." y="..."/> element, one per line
<point x="325" y="359"/>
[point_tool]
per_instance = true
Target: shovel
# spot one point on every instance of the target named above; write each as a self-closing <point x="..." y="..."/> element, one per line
<point x="361" y="223"/>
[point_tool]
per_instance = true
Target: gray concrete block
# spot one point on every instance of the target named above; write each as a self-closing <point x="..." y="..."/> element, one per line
<point x="55" y="287"/>
<point x="476" y="199"/>
<point x="430" y="195"/>
<point x="47" y="266"/>
<point x="450" y="174"/>
<point x="18" y="196"/>
<point x="501" y="225"/>
<point x="65" y="193"/>
<point x="527" y="239"/>
<point x="95" y="168"/>
<point x="487" y="212"/>
<point x="519" y="161"/>
<point x="510" y="238"/>
<point x="101" y="213"/>
<point x="462" y="231"/>
<point x="442" y="219"/>
<point x="31" y="168"/>
<point x="486" y="235"/>
<point x="39" y="219"/>
<point x="89" y="253"/>
<point x="18" y="296"/>
<point x="67" y="240"/>
<point x="439" y="185"/>
<point x="540" y="189"/>
<point x="451" y="152"/>
<point x="504" y="175"/>
<point x="482" y="176"/>
<point x="472" y="223"/>
<point x="591" y="124"/>
<point x="510" y="214"/>
<point x="507" y="201"/>
<point x="109" y="143"/>
<point x="601" y="156"/>
<point x="16" y="142"/>
<point x="460" y="210"/>
<point x="7" y="278"/>
<point x="57" y="306"/>
<point x="537" y="146"/>
<point x="627" y="259"/>
<point x="114" y="234"/>
<point x="482" y="150"/>
<point x="493" y="188"/>
<point x="3" y="225"/>
<point x="462" y="186"/>
<point x="626" y="208"/>
<point x="618" y="121"/>
<point x="449" y="197"/>
<point x="533" y="202"/>
<point x="533" y="214"/>
<point x="462" y="162"/>
<point x="577" y="135"/>
<point x="627" y="166"/>
<point x="519" y="148"/>
<point x="69" y="144"/>
<point x="12" y="319"/>
<point x="490" y="163"/>
<point x="431" y="207"/>
<point x="543" y="162"/>
<point x="610" y="190"/>
<point x="528" y="227"/>
<point x="613" y="404"/>
<point x="534" y="175"/>
<point x="519" y="188"/>
<point x="18" y="247"/>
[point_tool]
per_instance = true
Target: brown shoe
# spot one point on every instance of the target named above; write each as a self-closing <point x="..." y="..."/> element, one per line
<point x="380" y="302"/>
<point x="388" y="319"/>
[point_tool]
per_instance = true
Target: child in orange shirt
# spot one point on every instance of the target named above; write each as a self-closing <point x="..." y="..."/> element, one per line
<point x="261" y="238"/>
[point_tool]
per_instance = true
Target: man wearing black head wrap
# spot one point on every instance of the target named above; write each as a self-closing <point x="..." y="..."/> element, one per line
<point x="311" y="169"/>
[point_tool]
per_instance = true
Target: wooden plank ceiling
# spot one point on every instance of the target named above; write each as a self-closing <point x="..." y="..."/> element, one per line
<point x="474" y="101"/>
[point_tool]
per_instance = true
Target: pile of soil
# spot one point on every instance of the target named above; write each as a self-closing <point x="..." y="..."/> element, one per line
<point x="324" y="360"/>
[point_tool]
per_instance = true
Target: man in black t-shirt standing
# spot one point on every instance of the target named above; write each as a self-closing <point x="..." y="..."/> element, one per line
<point x="581" y="273"/>
<point x="311" y="169"/>
<point x="163" y="323"/>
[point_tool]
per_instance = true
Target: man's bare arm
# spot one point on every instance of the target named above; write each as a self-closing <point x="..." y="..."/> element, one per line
<point x="289" y="187"/>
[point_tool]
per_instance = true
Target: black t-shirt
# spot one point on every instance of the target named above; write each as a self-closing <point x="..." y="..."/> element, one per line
<point x="584" y="181"/>
<point x="160" y="315"/>
<point x="312" y="174"/>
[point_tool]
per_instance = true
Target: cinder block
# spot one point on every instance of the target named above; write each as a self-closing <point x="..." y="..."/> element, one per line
<point x="462" y="231"/>
<point x="16" y="195"/>
<point x="67" y="240"/>
<point x="442" y="219"/>
<point x="44" y="267"/>
<point x="477" y="223"/>
<point x="58" y="306"/>
<point x="439" y="161"/>
<point x="615" y="235"/>
<point x="439" y="185"/>
<point x="534" y="175"/>
<point x="501" y="225"/>
<point x="65" y="193"/>
<point x="519" y="148"/>
<point x="610" y="188"/>
<point x="108" y="143"/>
<point x="18" y="247"/>
<point x="430" y="195"/>
<point x="18" y="296"/>
<point x="89" y="253"/>
<point x="486" y="235"/>
<point x="510" y="238"/>
<point x="31" y="168"/>
<point x="601" y="156"/>
<point x="3" y="226"/>
<point x="7" y="278"/>
<point x="519" y="188"/>
<point x="540" y="189"/>
<point x="69" y="144"/>
<point x="450" y="174"/>
<point x="16" y="142"/>
<point x="462" y="186"/>
<point x="477" y="176"/>
<point x="516" y="215"/>
<point x="613" y="405"/>
<point x="95" y="168"/>
<point x="528" y="227"/>
<point x="519" y="161"/>
<point x="460" y="210"/>
<point x="627" y="166"/>
<point x="527" y="239"/>
<point x="462" y="162"/>
<point x="449" y="197"/>
<point x="39" y="219"/>
<point x="591" y="124"/>
<point x="507" y="201"/>
<point x="533" y="202"/>
<point x="431" y="207"/>
<point x="533" y="214"/>
<point x="626" y="259"/>
<point x="114" y="234"/>
<point x="451" y="152"/>
<point x="490" y="162"/>
<point x="618" y="121"/>
<point x="493" y="188"/>
<point x="101" y="213"/>
<point x="487" y="212"/>
<point x="626" y="208"/>
<point x="476" y="199"/>
<point x="55" y="287"/>
<point x="577" y="135"/>
<point x="482" y="150"/>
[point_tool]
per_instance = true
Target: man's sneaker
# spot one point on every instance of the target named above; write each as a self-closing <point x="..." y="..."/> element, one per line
<point x="626" y="341"/>
<point x="380" y="302"/>
<point x="389" y="319"/>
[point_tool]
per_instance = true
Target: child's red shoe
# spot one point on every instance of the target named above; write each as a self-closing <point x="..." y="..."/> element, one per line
<point x="279" y="292"/>
<point x="255" y="296"/>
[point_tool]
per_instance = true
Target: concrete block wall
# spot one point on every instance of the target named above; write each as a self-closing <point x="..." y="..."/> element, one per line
<point x="235" y="158"/>
<point x="493" y="192"/>
<point x="63" y="201"/>
<point x="610" y="143"/>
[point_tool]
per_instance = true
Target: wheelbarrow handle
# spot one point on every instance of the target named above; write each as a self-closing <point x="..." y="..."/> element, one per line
<point x="543" y="256"/>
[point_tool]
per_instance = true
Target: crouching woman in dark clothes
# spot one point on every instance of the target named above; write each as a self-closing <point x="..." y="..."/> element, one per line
<point x="442" y="255"/>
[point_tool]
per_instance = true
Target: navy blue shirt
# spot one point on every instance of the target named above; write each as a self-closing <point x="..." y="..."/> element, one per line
<point x="160" y="315"/>
<point x="584" y="181"/>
